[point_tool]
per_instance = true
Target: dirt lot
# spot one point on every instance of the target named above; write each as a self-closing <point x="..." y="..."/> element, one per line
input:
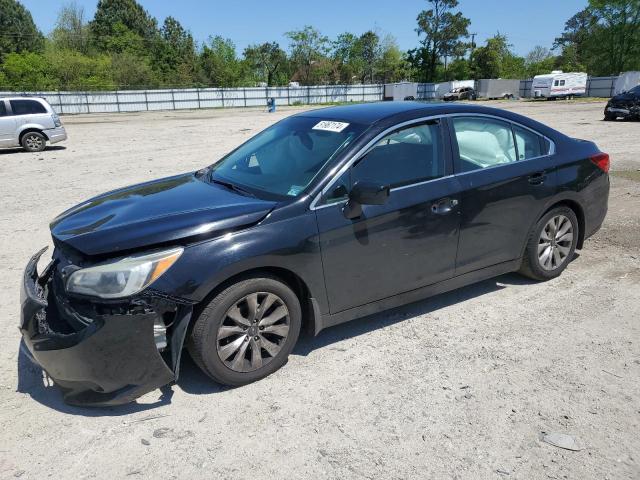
<point x="458" y="386"/>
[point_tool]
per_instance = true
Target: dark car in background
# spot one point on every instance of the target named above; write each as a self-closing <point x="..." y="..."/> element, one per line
<point x="462" y="93"/>
<point x="324" y="217"/>
<point x="625" y="105"/>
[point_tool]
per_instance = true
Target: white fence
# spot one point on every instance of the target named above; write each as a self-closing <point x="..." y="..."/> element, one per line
<point x="178" y="99"/>
<point x="194" y="98"/>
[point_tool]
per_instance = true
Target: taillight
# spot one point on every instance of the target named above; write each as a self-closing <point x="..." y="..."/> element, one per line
<point x="601" y="160"/>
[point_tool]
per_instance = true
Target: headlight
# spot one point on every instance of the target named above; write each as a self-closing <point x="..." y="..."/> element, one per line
<point x="123" y="277"/>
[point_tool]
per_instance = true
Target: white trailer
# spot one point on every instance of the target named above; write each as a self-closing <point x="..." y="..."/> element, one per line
<point x="401" y="91"/>
<point x="559" y="84"/>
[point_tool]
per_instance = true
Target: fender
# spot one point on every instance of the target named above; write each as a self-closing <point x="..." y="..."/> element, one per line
<point x="234" y="253"/>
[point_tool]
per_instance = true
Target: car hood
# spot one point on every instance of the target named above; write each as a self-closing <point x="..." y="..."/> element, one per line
<point x="161" y="211"/>
<point x="628" y="98"/>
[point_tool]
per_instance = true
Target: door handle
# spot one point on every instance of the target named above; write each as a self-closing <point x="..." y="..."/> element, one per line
<point x="444" y="206"/>
<point x="537" y="178"/>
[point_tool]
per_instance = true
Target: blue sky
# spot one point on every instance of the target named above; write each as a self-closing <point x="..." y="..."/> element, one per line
<point x="526" y="23"/>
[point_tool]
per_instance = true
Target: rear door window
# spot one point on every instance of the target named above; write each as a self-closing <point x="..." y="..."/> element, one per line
<point x="483" y="142"/>
<point x="3" y="109"/>
<point x="27" y="107"/>
<point x="529" y="144"/>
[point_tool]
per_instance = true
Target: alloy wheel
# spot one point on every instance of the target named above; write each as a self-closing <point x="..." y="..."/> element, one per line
<point x="34" y="142"/>
<point x="554" y="244"/>
<point x="253" y="332"/>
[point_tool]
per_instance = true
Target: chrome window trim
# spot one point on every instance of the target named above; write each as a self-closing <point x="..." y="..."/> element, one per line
<point x="364" y="150"/>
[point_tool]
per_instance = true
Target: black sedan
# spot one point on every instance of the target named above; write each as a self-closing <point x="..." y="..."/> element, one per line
<point x="625" y="105"/>
<point x="324" y="217"/>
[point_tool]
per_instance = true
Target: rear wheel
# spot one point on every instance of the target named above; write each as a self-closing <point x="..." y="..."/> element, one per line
<point x="33" y="141"/>
<point x="551" y="244"/>
<point x="247" y="331"/>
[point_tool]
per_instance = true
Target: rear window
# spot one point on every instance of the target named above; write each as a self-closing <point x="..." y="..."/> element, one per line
<point x="27" y="107"/>
<point x="3" y="109"/>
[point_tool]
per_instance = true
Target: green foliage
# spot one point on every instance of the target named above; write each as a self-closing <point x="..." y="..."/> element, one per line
<point x="174" y="54"/>
<point x="123" y="47"/>
<point x="604" y="38"/>
<point x="27" y="71"/>
<point x="268" y="62"/>
<point x="115" y="18"/>
<point x="495" y="60"/>
<point x="18" y="32"/>
<point x="442" y="32"/>
<point x="220" y="64"/>
<point x="309" y="50"/>
<point x="71" y="31"/>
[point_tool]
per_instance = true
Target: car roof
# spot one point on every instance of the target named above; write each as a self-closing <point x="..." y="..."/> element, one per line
<point x="22" y="97"/>
<point x="370" y="113"/>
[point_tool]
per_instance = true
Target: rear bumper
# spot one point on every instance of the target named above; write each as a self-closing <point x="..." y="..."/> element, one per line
<point x="596" y="198"/>
<point x="56" y="135"/>
<point x="111" y="361"/>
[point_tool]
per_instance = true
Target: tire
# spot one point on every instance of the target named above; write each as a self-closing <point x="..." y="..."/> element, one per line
<point x="224" y="346"/>
<point x="33" y="141"/>
<point x="609" y="118"/>
<point x="536" y="265"/>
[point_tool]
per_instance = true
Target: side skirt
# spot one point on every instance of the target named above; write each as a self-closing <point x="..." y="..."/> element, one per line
<point x="463" y="280"/>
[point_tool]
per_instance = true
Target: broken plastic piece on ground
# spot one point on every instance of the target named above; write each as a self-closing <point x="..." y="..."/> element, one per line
<point x="561" y="440"/>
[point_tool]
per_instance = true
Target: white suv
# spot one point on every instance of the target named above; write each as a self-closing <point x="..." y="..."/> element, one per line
<point x="30" y="122"/>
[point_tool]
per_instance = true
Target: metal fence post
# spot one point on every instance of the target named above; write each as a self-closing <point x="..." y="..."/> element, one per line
<point x="60" y="102"/>
<point x="117" y="101"/>
<point x="173" y="100"/>
<point x="146" y="101"/>
<point x="288" y="95"/>
<point x="308" y="94"/>
<point x="198" y="96"/>
<point x="244" y="95"/>
<point x="86" y="99"/>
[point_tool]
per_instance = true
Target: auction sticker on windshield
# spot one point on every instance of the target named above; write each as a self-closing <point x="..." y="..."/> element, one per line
<point x="330" y="126"/>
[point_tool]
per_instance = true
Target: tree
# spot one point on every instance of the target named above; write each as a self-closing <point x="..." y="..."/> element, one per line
<point x="220" y="64"/>
<point x="71" y="31"/>
<point x="174" y="54"/>
<point x="27" y="71"/>
<point x="443" y="31"/>
<point x="603" y="39"/>
<point x="618" y="27"/>
<point x="309" y="50"/>
<point x="347" y="59"/>
<point x="369" y="43"/>
<point x="112" y="15"/>
<point x="132" y="71"/>
<point x="538" y="61"/>
<point x="18" y="33"/>
<point x="495" y="60"/>
<point x="266" y="59"/>
<point x="391" y="65"/>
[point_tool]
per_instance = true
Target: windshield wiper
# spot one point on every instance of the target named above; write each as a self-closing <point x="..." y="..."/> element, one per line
<point x="233" y="187"/>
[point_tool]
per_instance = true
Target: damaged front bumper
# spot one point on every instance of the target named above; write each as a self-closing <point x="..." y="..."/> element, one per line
<point x="110" y="360"/>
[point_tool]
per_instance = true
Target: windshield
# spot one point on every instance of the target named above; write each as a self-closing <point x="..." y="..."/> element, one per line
<point x="283" y="159"/>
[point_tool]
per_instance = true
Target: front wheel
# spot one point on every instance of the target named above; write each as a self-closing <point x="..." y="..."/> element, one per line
<point x="551" y="244"/>
<point x="34" y="142"/>
<point x="247" y="331"/>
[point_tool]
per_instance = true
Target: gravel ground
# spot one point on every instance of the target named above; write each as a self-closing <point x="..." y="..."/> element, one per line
<point x="459" y="386"/>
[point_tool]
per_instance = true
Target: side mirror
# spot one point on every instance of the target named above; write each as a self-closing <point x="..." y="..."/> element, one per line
<point x="365" y="193"/>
